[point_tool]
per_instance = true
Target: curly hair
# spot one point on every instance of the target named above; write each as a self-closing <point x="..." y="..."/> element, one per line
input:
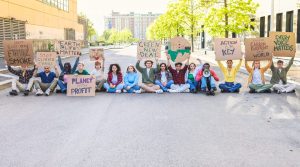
<point x="116" y="65"/>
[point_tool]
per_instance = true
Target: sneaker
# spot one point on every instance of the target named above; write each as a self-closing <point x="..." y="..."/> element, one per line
<point x="39" y="92"/>
<point x="26" y="93"/>
<point x="118" y="91"/>
<point x="159" y="91"/>
<point x="125" y="91"/>
<point x="214" y="88"/>
<point x="252" y="91"/>
<point x="138" y="91"/>
<point x="187" y="91"/>
<point x="47" y="93"/>
<point x="278" y="92"/>
<point x="13" y="93"/>
<point x="172" y="91"/>
<point x="268" y="91"/>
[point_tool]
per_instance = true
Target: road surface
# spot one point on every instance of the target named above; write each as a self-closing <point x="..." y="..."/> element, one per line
<point x="150" y="130"/>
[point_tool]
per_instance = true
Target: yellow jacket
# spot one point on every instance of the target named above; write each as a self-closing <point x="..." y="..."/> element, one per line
<point x="229" y="75"/>
<point x="262" y="71"/>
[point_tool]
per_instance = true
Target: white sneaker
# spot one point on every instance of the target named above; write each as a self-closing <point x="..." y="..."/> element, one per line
<point x="159" y="91"/>
<point x="187" y="91"/>
<point x="39" y="92"/>
<point x="118" y="91"/>
<point x="172" y="91"/>
<point x="137" y="91"/>
<point x="125" y="91"/>
<point x="47" y="92"/>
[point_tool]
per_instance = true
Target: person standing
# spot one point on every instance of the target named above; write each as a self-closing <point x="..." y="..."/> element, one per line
<point x="279" y="77"/>
<point x="230" y="75"/>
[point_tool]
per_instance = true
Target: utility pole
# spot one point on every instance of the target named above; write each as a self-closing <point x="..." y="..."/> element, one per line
<point x="226" y="20"/>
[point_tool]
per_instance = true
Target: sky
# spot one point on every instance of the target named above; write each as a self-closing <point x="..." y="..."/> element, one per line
<point x="97" y="9"/>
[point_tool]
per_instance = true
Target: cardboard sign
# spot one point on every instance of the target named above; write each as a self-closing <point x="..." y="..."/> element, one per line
<point x="258" y="49"/>
<point x="46" y="59"/>
<point x="96" y="54"/>
<point x="148" y="50"/>
<point x="18" y="52"/>
<point x="81" y="85"/>
<point x="179" y="49"/>
<point x="283" y="43"/>
<point x="68" y="48"/>
<point x="228" y="49"/>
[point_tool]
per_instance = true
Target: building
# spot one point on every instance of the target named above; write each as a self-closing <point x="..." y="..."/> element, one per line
<point x="39" y="19"/>
<point x="136" y="23"/>
<point x="286" y="17"/>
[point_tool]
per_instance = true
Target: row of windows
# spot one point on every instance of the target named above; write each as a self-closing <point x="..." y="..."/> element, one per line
<point x="59" y="4"/>
<point x="289" y="22"/>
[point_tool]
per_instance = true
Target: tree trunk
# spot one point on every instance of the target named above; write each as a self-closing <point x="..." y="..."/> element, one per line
<point x="226" y="20"/>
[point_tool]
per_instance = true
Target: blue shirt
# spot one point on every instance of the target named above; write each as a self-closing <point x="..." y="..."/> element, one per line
<point x="46" y="78"/>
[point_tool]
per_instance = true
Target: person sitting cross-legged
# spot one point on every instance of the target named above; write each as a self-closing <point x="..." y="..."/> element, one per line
<point x="191" y="76"/>
<point x="164" y="78"/>
<point x="279" y="77"/>
<point x="256" y="80"/>
<point x="24" y="83"/>
<point x="178" y="74"/>
<point x="230" y="74"/>
<point x="207" y="77"/>
<point x="81" y="69"/>
<point x="48" y="81"/>
<point x="114" y="82"/>
<point x="148" y="76"/>
<point x="131" y="81"/>
<point x="98" y="73"/>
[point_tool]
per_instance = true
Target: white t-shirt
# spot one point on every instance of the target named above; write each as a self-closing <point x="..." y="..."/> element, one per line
<point x="256" y="78"/>
<point x="148" y="71"/>
<point x="163" y="77"/>
<point x="99" y="74"/>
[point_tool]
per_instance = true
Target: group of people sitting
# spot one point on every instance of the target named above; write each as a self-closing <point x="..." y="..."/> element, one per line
<point x="187" y="77"/>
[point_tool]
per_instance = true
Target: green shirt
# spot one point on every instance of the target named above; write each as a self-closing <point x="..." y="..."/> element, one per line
<point x="84" y="72"/>
<point x="278" y="75"/>
<point x="191" y="77"/>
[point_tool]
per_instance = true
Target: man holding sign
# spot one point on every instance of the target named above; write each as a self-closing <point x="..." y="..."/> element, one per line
<point x="48" y="81"/>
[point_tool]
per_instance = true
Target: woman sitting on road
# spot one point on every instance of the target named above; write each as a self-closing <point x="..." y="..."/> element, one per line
<point x="164" y="78"/>
<point x="191" y="76"/>
<point x="114" y="82"/>
<point x="131" y="80"/>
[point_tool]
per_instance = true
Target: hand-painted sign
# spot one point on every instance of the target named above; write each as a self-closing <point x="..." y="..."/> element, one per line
<point x="147" y="50"/>
<point x="228" y="49"/>
<point x="46" y="59"/>
<point x="179" y="49"/>
<point x="81" y="85"/>
<point x="18" y="52"/>
<point x="68" y="48"/>
<point x="258" y="49"/>
<point x="283" y="43"/>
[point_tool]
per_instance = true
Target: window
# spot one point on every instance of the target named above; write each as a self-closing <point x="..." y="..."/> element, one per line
<point x="289" y="21"/>
<point x="262" y="27"/>
<point x="269" y="25"/>
<point x="59" y="4"/>
<point x="279" y="22"/>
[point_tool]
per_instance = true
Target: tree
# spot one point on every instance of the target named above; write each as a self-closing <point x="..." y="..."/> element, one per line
<point x="90" y="27"/>
<point x="233" y="16"/>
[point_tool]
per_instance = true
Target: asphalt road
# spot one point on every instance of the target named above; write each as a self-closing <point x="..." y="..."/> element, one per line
<point x="150" y="130"/>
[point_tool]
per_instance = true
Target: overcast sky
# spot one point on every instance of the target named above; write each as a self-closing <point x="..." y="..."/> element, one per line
<point x="97" y="9"/>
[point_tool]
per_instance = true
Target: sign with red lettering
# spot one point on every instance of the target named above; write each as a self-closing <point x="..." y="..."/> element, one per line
<point x="258" y="49"/>
<point x="18" y="52"/>
<point x="81" y="85"/>
<point x="228" y="49"/>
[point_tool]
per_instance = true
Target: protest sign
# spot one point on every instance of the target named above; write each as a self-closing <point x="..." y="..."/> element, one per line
<point x="81" y="85"/>
<point x="96" y="54"/>
<point x="228" y="49"/>
<point x="179" y="49"/>
<point x="46" y="59"/>
<point x="283" y="44"/>
<point x="68" y="48"/>
<point x="18" y="52"/>
<point x="149" y="50"/>
<point x="258" y="49"/>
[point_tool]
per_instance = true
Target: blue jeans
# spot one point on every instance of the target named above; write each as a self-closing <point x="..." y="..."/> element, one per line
<point x="193" y="84"/>
<point x="208" y="82"/>
<point x="113" y="90"/>
<point x="62" y="85"/>
<point x="132" y="89"/>
<point x="230" y="86"/>
<point x="164" y="88"/>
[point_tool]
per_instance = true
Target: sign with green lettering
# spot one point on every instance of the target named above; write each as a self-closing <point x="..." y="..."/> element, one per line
<point x="283" y="44"/>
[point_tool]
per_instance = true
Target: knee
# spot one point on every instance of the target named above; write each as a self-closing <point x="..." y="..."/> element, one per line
<point x="156" y="82"/>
